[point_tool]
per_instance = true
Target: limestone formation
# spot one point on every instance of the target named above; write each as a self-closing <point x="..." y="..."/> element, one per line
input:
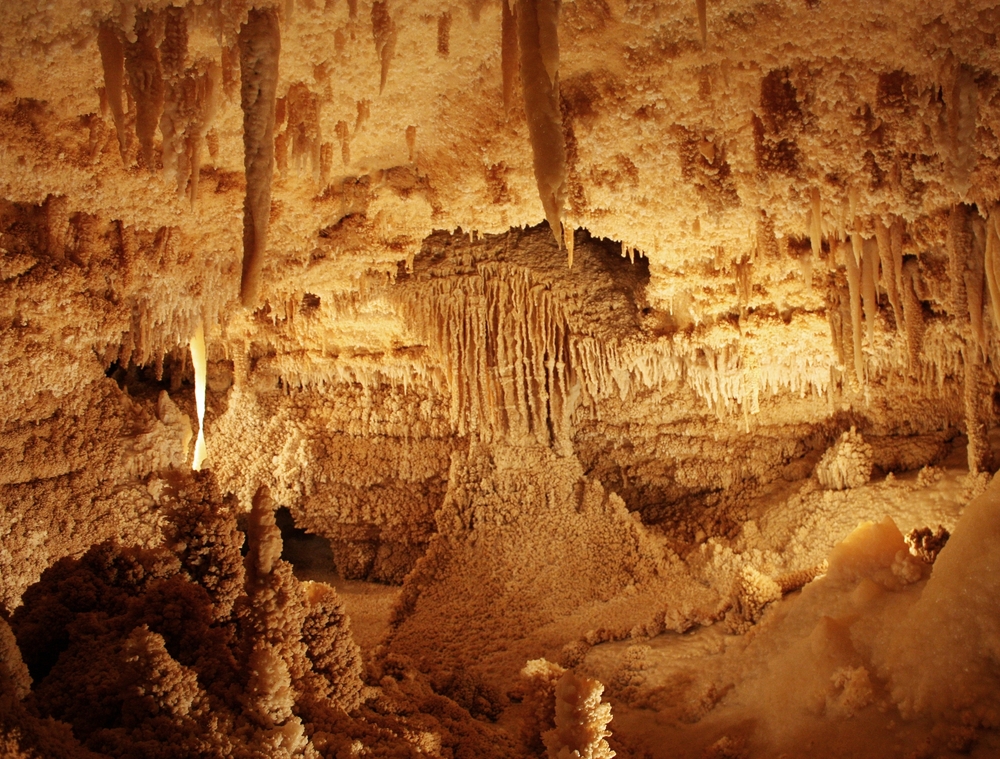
<point x="311" y="439"/>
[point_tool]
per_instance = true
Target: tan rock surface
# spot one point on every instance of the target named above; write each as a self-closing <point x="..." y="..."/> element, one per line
<point x="580" y="323"/>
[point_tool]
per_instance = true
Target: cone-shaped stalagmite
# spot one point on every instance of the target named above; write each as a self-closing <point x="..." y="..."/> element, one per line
<point x="260" y="44"/>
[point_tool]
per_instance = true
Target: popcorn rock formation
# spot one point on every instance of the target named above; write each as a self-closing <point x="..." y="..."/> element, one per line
<point x="848" y="464"/>
<point x="386" y="378"/>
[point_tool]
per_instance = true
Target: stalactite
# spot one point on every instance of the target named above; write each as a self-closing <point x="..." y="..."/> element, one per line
<point x="384" y="33"/>
<point x="913" y="313"/>
<point x="325" y="163"/>
<point x="958" y="244"/>
<point x="56" y="210"/>
<point x="174" y="47"/>
<point x="343" y="134"/>
<point x="191" y="98"/>
<point x="364" y="108"/>
<point x="411" y="142"/>
<point x="834" y="315"/>
<point x="538" y="29"/>
<point x="444" y="34"/>
<point x="744" y="283"/>
<point x="975" y="276"/>
<point x="128" y="254"/>
<point x="508" y="53"/>
<point x="199" y="360"/>
<point x="869" y="278"/>
<point x="260" y="45"/>
<point x="702" y="21"/>
<point x="889" y="278"/>
<point x="847" y="344"/>
<point x="851" y="255"/>
<point x="815" y="223"/>
<point x="303" y="127"/>
<point x="992" y="266"/>
<point x="113" y="63"/>
<point x="978" y="449"/>
<point x="962" y="115"/>
<point x="207" y="85"/>
<point x="180" y="101"/>
<point x="896" y="247"/>
<point x="142" y="63"/>
<point x="507" y="352"/>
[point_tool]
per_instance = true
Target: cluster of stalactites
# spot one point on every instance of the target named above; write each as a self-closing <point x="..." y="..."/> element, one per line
<point x="150" y="83"/>
<point x="875" y="264"/>
<point x="507" y="351"/>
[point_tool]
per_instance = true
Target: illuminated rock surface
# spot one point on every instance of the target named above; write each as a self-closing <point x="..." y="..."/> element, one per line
<point x="579" y="333"/>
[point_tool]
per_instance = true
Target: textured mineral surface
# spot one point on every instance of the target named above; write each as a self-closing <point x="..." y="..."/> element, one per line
<point x="499" y="378"/>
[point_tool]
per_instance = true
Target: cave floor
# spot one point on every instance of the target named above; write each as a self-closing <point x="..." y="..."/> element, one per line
<point x="711" y="693"/>
<point x="368" y="604"/>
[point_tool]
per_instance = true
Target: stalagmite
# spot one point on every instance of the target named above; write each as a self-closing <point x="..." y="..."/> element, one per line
<point x="851" y="254"/>
<point x="113" y="63"/>
<point x="199" y="360"/>
<point x="581" y="720"/>
<point x="260" y="45"/>
<point x="538" y="38"/>
<point x="616" y="463"/>
<point x="889" y="278"/>
<point x="508" y="53"/>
